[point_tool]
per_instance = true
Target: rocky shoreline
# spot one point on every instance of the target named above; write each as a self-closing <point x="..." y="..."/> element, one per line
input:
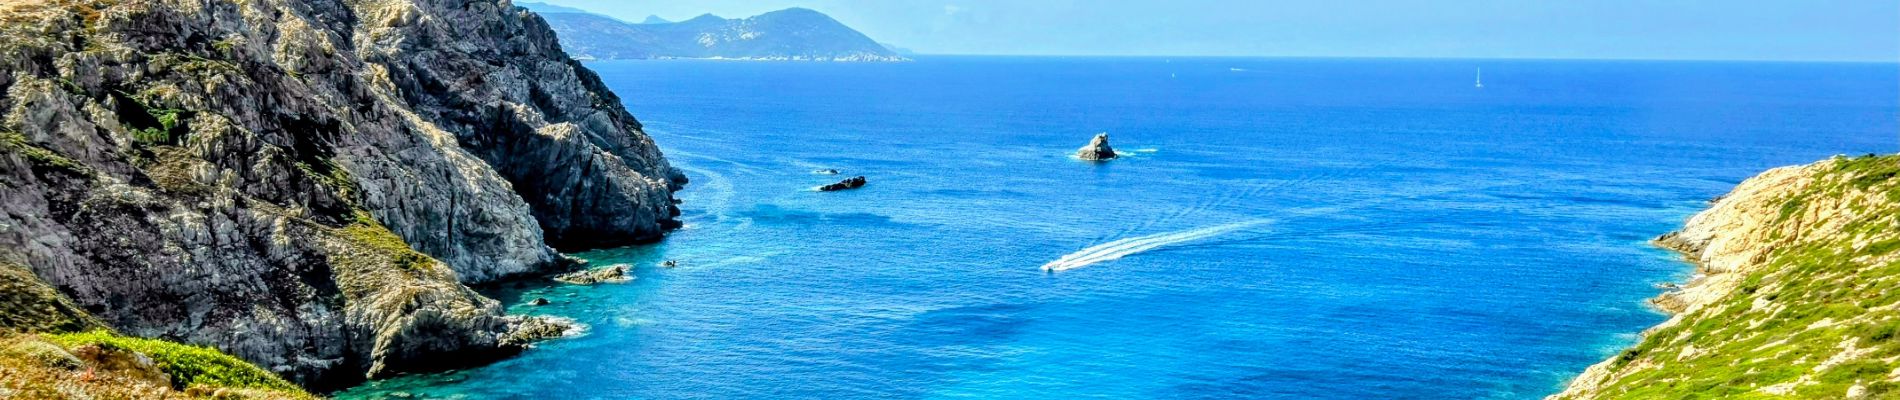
<point x="311" y="187"/>
<point x="1772" y="258"/>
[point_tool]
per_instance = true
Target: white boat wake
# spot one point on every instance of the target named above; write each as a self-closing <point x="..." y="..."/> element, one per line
<point x="1130" y="246"/>
<point x="1125" y="247"/>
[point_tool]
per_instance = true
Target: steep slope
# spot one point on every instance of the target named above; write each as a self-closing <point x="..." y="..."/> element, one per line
<point x="1799" y="294"/>
<point x="308" y="184"/>
<point x="790" y="34"/>
<point x="102" y="365"/>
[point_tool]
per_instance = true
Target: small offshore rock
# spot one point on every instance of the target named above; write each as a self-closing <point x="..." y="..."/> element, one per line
<point x="534" y="329"/>
<point x="1097" y="149"/>
<point x="669" y="264"/>
<point x="612" y="274"/>
<point x="825" y="171"/>
<point x="538" y="301"/>
<point x="853" y="183"/>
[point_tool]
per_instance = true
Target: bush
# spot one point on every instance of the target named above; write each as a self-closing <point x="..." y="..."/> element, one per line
<point x="188" y="365"/>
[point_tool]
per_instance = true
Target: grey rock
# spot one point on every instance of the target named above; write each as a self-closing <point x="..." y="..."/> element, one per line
<point x="527" y="330"/>
<point x="611" y="274"/>
<point x="1097" y="149"/>
<point x="847" y="184"/>
<point x="309" y="185"/>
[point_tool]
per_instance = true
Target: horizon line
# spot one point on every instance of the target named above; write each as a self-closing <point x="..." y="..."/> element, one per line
<point x="1762" y="60"/>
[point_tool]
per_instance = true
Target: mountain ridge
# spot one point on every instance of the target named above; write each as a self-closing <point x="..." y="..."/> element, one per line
<point x="796" y="34"/>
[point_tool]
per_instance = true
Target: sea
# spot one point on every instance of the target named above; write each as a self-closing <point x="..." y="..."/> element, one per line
<point x="1277" y="228"/>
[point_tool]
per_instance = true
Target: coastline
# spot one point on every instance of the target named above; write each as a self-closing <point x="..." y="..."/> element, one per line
<point x="1716" y="275"/>
<point x="850" y="59"/>
<point x="1764" y="255"/>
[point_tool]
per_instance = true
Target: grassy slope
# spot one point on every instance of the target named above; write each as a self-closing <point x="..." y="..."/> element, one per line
<point x="1818" y="318"/>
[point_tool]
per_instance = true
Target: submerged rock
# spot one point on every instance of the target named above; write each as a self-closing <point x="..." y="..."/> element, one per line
<point x="613" y="274"/>
<point x="538" y="302"/>
<point x="852" y="183"/>
<point x="1097" y="149"/>
<point x="825" y="171"/>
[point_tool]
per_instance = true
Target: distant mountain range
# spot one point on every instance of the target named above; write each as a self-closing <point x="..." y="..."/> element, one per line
<point x="789" y="34"/>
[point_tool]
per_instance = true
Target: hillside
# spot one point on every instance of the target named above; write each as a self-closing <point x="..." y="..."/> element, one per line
<point x="790" y="34"/>
<point x="1798" y="295"/>
<point x="307" y="186"/>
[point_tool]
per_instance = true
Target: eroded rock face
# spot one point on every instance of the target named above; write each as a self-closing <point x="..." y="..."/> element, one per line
<point x="1097" y="149"/>
<point x="308" y="185"/>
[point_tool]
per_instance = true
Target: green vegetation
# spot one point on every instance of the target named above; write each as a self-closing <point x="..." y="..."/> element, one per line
<point x="149" y="124"/>
<point x="374" y="236"/>
<point x="40" y="157"/>
<point x="34" y="306"/>
<point x="1820" y="316"/>
<point x="186" y="364"/>
<point x="101" y="365"/>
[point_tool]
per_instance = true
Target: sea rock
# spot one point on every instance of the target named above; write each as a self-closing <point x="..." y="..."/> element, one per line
<point x="538" y="302"/>
<point x="611" y="274"/>
<point x="1097" y="149"/>
<point x="526" y="330"/>
<point x="308" y="186"/>
<point x="825" y="171"/>
<point x="850" y="183"/>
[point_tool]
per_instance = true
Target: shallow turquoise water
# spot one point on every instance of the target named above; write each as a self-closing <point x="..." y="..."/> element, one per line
<point x="1406" y="235"/>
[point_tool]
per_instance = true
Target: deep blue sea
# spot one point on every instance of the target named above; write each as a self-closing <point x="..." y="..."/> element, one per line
<point x="1279" y="228"/>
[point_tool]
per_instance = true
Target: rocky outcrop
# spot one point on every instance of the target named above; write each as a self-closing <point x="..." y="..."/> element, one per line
<point x="611" y="274"/>
<point x="847" y="184"/>
<point x="1797" y="271"/>
<point x="309" y="185"/>
<point x="1097" y="149"/>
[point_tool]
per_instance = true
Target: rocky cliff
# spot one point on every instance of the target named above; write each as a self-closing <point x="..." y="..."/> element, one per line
<point x="1797" y="294"/>
<point x="309" y="184"/>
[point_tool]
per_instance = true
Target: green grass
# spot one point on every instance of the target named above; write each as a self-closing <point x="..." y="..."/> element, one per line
<point x="373" y="235"/>
<point x="150" y="124"/>
<point x="188" y="365"/>
<point x="1809" y="279"/>
<point x="40" y="156"/>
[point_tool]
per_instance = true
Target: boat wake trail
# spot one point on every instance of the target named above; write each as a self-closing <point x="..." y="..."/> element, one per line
<point x="1125" y="247"/>
<point x="1130" y="246"/>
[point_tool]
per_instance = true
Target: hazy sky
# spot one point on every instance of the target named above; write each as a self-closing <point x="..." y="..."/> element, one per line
<point x="1859" y="30"/>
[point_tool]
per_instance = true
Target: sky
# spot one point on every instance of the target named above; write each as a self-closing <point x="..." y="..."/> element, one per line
<point x="1792" y="30"/>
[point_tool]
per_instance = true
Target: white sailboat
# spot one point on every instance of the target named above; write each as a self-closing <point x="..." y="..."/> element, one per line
<point x="1480" y="78"/>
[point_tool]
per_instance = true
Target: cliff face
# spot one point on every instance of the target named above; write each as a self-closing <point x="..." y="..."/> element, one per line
<point x="308" y="184"/>
<point x="1798" y="294"/>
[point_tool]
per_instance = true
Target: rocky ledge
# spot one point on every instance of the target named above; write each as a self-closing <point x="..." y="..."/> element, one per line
<point x="609" y="274"/>
<point x="1797" y="294"/>
<point x="308" y="185"/>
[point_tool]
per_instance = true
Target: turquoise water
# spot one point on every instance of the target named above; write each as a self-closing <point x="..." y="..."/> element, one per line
<point x="1281" y="228"/>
